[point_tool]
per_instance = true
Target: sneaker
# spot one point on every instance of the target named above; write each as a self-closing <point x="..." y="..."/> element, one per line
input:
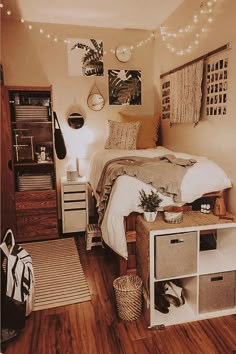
<point x="8" y="334"/>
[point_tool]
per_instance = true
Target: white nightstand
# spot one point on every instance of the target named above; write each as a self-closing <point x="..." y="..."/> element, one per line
<point x="74" y="204"/>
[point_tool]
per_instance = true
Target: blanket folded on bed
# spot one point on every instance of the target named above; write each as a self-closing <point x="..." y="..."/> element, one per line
<point x="164" y="173"/>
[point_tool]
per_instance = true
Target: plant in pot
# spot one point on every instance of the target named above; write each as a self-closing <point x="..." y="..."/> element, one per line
<point x="149" y="203"/>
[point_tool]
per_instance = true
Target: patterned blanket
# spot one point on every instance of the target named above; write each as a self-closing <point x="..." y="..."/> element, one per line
<point x="163" y="173"/>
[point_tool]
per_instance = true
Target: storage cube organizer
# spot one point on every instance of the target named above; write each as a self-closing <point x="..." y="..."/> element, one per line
<point x="93" y="236"/>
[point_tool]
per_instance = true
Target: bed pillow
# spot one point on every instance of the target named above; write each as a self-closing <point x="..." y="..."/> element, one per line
<point x="147" y="135"/>
<point x="122" y="135"/>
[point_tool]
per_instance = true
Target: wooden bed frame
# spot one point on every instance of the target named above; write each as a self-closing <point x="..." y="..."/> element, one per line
<point x="129" y="266"/>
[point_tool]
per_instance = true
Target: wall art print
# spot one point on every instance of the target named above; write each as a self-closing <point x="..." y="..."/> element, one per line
<point x="124" y="87"/>
<point x="85" y="57"/>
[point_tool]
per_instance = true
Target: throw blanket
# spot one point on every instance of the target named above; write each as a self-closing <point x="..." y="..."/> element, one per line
<point x="164" y="173"/>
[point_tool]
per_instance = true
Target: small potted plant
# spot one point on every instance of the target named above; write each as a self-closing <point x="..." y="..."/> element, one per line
<point x="149" y="203"/>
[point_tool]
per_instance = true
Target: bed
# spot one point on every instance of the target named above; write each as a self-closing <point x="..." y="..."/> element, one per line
<point x="136" y="137"/>
<point x="202" y="178"/>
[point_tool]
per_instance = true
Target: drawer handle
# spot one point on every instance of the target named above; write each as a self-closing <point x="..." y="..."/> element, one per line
<point x="217" y="278"/>
<point x="177" y="240"/>
<point x="75" y="209"/>
<point x="73" y="192"/>
<point x="74" y="200"/>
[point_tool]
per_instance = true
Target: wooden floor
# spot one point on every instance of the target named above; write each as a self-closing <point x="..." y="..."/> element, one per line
<point x="93" y="327"/>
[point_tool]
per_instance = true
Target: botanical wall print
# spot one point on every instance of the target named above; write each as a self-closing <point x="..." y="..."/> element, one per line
<point x="166" y="99"/>
<point x="124" y="87"/>
<point x="217" y="82"/>
<point x="85" y="57"/>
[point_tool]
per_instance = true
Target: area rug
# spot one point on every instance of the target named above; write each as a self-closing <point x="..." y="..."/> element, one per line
<point x="59" y="276"/>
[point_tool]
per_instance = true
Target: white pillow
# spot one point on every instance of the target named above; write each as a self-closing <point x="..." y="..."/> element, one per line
<point x="122" y="135"/>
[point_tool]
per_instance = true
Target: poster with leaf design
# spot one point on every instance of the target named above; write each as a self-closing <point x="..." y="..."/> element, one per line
<point x="85" y="57"/>
<point x="124" y="87"/>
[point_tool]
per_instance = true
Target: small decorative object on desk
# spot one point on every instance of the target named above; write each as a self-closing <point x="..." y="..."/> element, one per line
<point x="149" y="203"/>
<point x="72" y="173"/>
<point x="43" y="153"/>
<point x="173" y="214"/>
<point x="205" y="208"/>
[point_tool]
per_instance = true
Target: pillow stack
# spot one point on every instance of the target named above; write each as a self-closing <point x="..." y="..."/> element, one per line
<point x="147" y="134"/>
<point x="122" y="135"/>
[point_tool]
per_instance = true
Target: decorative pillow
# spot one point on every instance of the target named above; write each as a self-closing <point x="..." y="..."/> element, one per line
<point x="147" y="135"/>
<point x="122" y="135"/>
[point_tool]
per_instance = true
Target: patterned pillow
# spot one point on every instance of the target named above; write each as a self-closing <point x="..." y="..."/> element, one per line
<point x="122" y="135"/>
<point x="147" y="135"/>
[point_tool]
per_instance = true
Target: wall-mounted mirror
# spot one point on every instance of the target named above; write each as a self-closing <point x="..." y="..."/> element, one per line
<point x="75" y="120"/>
<point x="96" y="101"/>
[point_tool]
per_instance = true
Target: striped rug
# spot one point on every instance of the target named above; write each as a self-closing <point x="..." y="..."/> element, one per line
<point x="59" y="276"/>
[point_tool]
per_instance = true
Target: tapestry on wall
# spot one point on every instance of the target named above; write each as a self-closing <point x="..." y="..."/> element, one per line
<point x="124" y="87"/>
<point x="85" y="57"/>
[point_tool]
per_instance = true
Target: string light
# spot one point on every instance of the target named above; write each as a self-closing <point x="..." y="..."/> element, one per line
<point x="204" y="14"/>
<point x="132" y="47"/>
<point x="202" y="18"/>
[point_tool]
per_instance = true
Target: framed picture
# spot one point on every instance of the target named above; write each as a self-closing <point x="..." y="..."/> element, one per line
<point x="85" y="57"/>
<point x="124" y="87"/>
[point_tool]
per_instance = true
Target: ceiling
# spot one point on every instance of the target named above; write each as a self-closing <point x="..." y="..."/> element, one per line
<point x="135" y="14"/>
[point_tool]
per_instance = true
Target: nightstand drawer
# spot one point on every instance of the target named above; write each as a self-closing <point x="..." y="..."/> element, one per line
<point x="75" y="220"/>
<point x="75" y="188"/>
<point x="75" y="205"/>
<point x="74" y="196"/>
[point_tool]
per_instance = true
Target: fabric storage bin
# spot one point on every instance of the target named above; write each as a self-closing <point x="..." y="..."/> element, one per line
<point x="175" y="255"/>
<point x="216" y="291"/>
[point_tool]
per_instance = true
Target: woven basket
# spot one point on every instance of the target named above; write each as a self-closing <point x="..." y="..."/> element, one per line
<point x="128" y="293"/>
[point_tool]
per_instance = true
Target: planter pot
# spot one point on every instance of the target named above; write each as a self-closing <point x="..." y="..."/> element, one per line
<point x="150" y="216"/>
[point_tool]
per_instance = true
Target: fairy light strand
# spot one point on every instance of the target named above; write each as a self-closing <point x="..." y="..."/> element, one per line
<point x="197" y="28"/>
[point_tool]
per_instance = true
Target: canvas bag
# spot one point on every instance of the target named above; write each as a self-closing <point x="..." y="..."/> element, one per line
<point x="19" y="274"/>
<point x="60" y="146"/>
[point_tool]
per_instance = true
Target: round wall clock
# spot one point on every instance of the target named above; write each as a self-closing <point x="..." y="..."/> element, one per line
<point x="123" y="53"/>
<point x="96" y="101"/>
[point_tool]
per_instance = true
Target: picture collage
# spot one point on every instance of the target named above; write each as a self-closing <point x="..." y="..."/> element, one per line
<point x="166" y="100"/>
<point x="217" y="82"/>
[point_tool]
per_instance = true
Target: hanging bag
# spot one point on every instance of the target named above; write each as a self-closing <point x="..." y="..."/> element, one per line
<point x="60" y="146"/>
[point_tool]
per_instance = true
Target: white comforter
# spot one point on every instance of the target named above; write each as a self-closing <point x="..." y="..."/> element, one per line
<point x="203" y="177"/>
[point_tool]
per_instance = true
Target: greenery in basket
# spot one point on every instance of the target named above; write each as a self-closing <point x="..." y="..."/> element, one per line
<point x="149" y="202"/>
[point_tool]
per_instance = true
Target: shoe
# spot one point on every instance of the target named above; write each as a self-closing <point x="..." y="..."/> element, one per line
<point x="174" y="294"/>
<point x="8" y="334"/>
<point x="161" y="304"/>
<point x="173" y="300"/>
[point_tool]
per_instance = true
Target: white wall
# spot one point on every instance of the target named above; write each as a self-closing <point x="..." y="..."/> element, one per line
<point x="212" y="137"/>
<point x="30" y="59"/>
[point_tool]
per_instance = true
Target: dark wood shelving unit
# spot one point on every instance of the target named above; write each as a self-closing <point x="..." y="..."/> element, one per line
<point x="33" y="162"/>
